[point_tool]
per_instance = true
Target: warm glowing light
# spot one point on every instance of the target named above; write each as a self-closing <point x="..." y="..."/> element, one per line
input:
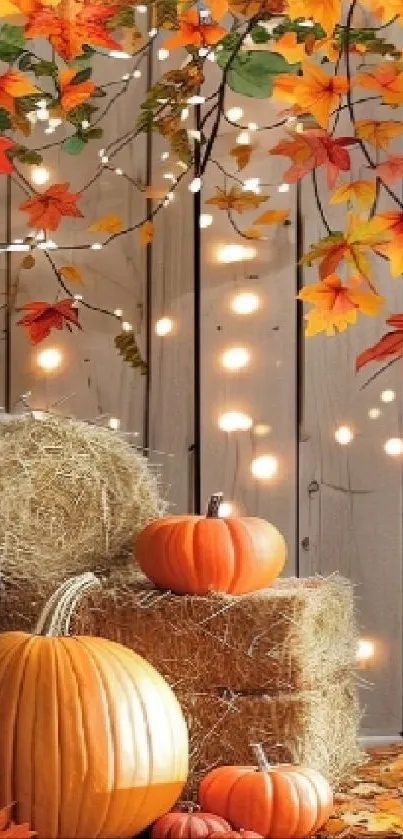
<point x="39" y="175"/>
<point x="235" y="358"/>
<point x="243" y="139"/>
<point x="164" y="326"/>
<point x="235" y="253"/>
<point x="374" y="413"/>
<point x="226" y="509"/>
<point x="49" y="359"/>
<point x="394" y="446"/>
<point x="195" y="185"/>
<point x="365" y="650"/>
<point x="234" y="114"/>
<point x="264" y="467"/>
<point x="283" y="188"/>
<point x="343" y="435"/>
<point x="261" y="429"/>
<point x="163" y="54"/>
<point x="96" y="246"/>
<point x="388" y="396"/>
<point x="234" y="421"/>
<point x="253" y="126"/>
<point x="114" y="423"/>
<point x="118" y="312"/>
<point x="126" y="326"/>
<point x="252" y="185"/>
<point x="205" y="220"/>
<point x="245" y="303"/>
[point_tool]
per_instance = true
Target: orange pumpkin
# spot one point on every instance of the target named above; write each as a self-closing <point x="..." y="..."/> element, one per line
<point x="236" y="834"/>
<point x="189" y="825"/>
<point x="196" y="555"/>
<point x="93" y="742"/>
<point x="280" y="802"/>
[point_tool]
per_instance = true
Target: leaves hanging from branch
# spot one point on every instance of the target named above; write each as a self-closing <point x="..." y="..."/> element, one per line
<point x="127" y="345"/>
<point x="40" y="318"/>
<point x="72" y="274"/>
<point x="378" y="133"/>
<point x="391" y="344"/>
<point x="361" y="191"/>
<point x="47" y="210"/>
<point x="312" y="149"/>
<point x="107" y="224"/>
<point x="242" y="153"/>
<point x="146" y="233"/>
<point x="335" y="306"/>
<point x="237" y="199"/>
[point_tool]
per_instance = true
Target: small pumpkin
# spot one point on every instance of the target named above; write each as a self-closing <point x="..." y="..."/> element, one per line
<point x="93" y="740"/>
<point x="189" y="825"/>
<point x="279" y="802"/>
<point x="196" y="554"/>
<point x="236" y="834"/>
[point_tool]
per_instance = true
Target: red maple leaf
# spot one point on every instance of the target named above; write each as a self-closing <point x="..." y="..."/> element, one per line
<point x="42" y="317"/>
<point x="6" y="167"/>
<point x="390" y="344"/>
<point x="72" y="24"/>
<point x="46" y="210"/>
<point x="314" y="148"/>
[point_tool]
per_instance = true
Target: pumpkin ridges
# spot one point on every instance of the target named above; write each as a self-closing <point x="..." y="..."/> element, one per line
<point x="236" y="807"/>
<point x="215" y="555"/>
<point x="46" y="735"/>
<point x="255" y="575"/>
<point x="307" y="815"/>
<point x="284" y="819"/>
<point x="24" y="733"/>
<point x="244" y="567"/>
<point x="323" y="810"/>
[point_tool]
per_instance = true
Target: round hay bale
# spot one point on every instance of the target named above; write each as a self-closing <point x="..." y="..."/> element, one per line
<point x="73" y="497"/>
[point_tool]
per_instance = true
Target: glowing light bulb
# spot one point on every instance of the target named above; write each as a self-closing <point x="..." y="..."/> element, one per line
<point x="374" y="413"/>
<point x="252" y="185"/>
<point x="39" y="175"/>
<point x="245" y="303"/>
<point x="283" y="188"/>
<point x="85" y="124"/>
<point x="235" y="253"/>
<point x="243" y="139"/>
<point x="96" y="246"/>
<point x="126" y="326"/>
<point x="343" y="435"/>
<point x="261" y="429"/>
<point x="119" y="54"/>
<point x="388" y="396"/>
<point x="136" y="74"/>
<point x="118" y="171"/>
<point x="195" y="185"/>
<point x="118" y="312"/>
<point x="253" y="126"/>
<point x="264" y="467"/>
<point x="196" y="100"/>
<point x="205" y="220"/>
<point x="235" y="358"/>
<point x="234" y="421"/>
<point x="104" y="158"/>
<point x="164" y="326"/>
<point x="54" y="122"/>
<point x="365" y="650"/>
<point x="163" y="54"/>
<point x="114" y="423"/>
<point x="42" y="114"/>
<point x="49" y="359"/>
<point x="234" y="114"/>
<point x="394" y="446"/>
<point x="225" y="510"/>
<point x="78" y="297"/>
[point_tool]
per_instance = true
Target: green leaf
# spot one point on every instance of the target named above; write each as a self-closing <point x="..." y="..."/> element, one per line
<point x="297" y="26"/>
<point x="45" y="68"/>
<point x="5" y="121"/>
<point x="25" y="155"/>
<point x="252" y="73"/>
<point x="260" y="35"/>
<point x="124" y="17"/>
<point x="82" y="76"/>
<point x="12" y="41"/>
<point x="93" y="133"/>
<point x="74" y="145"/>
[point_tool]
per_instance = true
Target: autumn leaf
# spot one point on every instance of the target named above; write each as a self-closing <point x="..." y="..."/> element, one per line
<point x="70" y="25"/>
<point x="242" y="153"/>
<point x="155" y="193"/>
<point x="336" y="305"/>
<point x="312" y="149"/>
<point x="325" y="12"/>
<point x="272" y="217"/>
<point x="146" y="233"/>
<point x="289" y="48"/>
<point x="13" y="85"/>
<point x="385" y="10"/>
<point x="237" y="199"/>
<point x="6" y="167"/>
<point x="361" y="191"/>
<point x="252" y="233"/>
<point x="352" y="246"/>
<point x="393" y="249"/>
<point x="46" y="210"/>
<point x="107" y="224"/>
<point x="218" y="8"/>
<point x="249" y="8"/>
<point x="41" y="318"/>
<point x="314" y="92"/>
<point x="7" y="8"/>
<point x="73" y="95"/>
<point x="390" y="169"/>
<point x="378" y="133"/>
<point x="385" y="79"/>
<point x="193" y="32"/>
<point x="10" y="830"/>
<point x="71" y="273"/>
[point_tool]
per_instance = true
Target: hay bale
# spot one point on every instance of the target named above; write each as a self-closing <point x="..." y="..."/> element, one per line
<point x="73" y="496"/>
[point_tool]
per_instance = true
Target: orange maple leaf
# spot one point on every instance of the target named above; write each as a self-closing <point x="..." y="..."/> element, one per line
<point x="391" y="168"/>
<point x="13" y="84"/>
<point x="47" y="209"/>
<point x="193" y="32"/>
<point x="41" y="317"/>
<point x="390" y="344"/>
<point x="352" y="247"/>
<point x="378" y="133"/>
<point x="70" y="25"/>
<point x="146" y="232"/>
<point x="6" y="167"/>
<point x="242" y="153"/>
<point x="314" y="92"/>
<point x="72" y="95"/>
<point x="325" y="12"/>
<point x="393" y="249"/>
<point x="314" y="148"/>
<point x="361" y="191"/>
<point x="386" y="79"/>
<point x="385" y="10"/>
<point x="10" y="830"/>
<point x="336" y="305"/>
<point x="237" y="199"/>
<point x="289" y="48"/>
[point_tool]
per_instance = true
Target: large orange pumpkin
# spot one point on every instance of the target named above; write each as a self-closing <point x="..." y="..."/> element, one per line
<point x="196" y="555"/>
<point x="280" y="802"/>
<point x="93" y="742"/>
<point x="189" y="825"/>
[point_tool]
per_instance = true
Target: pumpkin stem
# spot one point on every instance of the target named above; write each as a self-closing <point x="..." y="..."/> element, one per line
<point x="261" y="759"/>
<point x="57" y="614"/>
<point x="214" y="505"/>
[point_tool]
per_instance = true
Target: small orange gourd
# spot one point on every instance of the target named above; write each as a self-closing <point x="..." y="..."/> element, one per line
<point x="196" y="554"/>
<point x="279" y="802"/>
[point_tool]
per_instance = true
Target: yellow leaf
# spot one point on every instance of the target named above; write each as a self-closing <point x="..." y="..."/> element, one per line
<point x="154" y="192"/>
<point x="146" y="232"/>
<point x="252" y="233"/>
<point x="378" y="133"/>
<point x="242" y="153"/>
<point x="289" y="48"/>
<point x="272" y="217"/>
<point x="107" y="224"/>
<point x="361" y="191"/>
<point x="7" y="8"/>
<point x="71" y="273"/>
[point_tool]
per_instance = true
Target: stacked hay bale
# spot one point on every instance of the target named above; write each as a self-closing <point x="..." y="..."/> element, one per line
<point x="275" y="666"/>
